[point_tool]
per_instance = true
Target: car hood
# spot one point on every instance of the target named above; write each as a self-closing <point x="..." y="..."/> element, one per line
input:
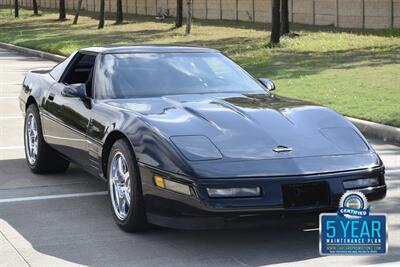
<point x="251" y="126"/>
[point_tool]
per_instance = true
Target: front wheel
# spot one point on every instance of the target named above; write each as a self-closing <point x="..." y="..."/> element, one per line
<point x="125" y="190"/>
<point x="41" y="158"/>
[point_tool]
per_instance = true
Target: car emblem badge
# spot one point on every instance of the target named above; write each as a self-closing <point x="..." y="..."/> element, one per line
<point x="281" y="149"/>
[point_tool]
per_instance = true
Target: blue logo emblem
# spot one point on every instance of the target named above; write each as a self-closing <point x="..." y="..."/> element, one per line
<point x="353" y="230"/>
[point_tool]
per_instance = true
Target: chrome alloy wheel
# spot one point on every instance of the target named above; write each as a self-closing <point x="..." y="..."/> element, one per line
<point x="31" y="139"/>
<point x="120" y="188"/>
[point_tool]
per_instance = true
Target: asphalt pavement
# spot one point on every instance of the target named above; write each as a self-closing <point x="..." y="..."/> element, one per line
<point x="65" y="219"/>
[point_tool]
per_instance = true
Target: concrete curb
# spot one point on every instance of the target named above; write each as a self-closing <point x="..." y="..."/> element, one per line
<point x="380" y="131"/>
<point x="33" y="52"/>
<point x="371" y="129"/>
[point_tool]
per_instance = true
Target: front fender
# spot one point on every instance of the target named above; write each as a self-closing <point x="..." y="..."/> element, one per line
<point x="151" y="148"/>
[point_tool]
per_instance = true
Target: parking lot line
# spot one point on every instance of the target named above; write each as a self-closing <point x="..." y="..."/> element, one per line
<point x="11" y="147"/>
<point x="394" y="171"/>
<point x="387" y="264"/>
<point x="21" y="199"/>
<point x="11" y="117"/>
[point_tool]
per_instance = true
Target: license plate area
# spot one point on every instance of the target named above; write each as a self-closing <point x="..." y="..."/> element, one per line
<point x="304" y="195"/>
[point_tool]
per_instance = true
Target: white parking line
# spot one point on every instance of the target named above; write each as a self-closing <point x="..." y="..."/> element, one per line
<point x="11" y="117"/>
<point x="387" y="264"/>
<point x="21" y="199"/>
<point x="394" y="171"/>
<point x="11" y="147"/>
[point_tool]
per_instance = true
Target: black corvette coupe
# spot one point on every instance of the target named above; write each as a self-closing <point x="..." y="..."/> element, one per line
<point x="185" y="138"/>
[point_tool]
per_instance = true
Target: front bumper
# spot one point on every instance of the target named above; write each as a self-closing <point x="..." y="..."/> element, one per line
<point x="174" y="210"/>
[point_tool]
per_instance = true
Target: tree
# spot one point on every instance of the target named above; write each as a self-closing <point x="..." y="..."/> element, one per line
<point x="102" y="14"/>
<point x="78" y="11"/>
<point x="35" y="7"/>
<point x="61" y="11"/>
<point x="189" y="16"/>
<point x="285" y="17"/>
<point x="120" y="16"/>
<point x="179" y="13"/>
<point x="16" y="8"/>
<point x="276" y="21"/>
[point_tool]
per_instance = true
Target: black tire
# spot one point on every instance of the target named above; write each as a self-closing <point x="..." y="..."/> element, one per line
<point x="47" y="160"/>
<point x="135" y="220"/>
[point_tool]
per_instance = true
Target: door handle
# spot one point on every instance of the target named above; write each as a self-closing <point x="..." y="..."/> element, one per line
<point x="51" y="97"/>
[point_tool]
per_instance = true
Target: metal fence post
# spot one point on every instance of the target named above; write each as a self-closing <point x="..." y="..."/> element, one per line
<point x="254" y="12"/>
<point x="363" y="13"/>
<point x="272" y="5"/>
<point x="392" y="14"/>
<point x="337" y="13"/>
<point x="313" y="12"/>
<point x="237" y="9"/>
<point x="291" y="10"/>
<point x="220" y="9"/>
<point x="206" y="2"/>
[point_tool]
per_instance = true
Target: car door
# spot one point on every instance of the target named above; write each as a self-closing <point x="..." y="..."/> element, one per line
<point x="66" y="118"/>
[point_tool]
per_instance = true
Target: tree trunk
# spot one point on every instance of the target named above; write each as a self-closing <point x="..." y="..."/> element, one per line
<point x="102" y="14"/>
<point x="276" y="21"/>
<point x="189" y="16"/>
<point x="179" y="13"/>
<point x="16" y="8"/>
<point x="285" y="17"/>
<point x="35" y="7"/>
<point x="62" y="15"/>
<point x="78" y="10"/>
<point x="120" y="16"/>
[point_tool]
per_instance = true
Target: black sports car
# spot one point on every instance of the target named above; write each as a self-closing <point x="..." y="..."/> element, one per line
<point x="188" y="139"/>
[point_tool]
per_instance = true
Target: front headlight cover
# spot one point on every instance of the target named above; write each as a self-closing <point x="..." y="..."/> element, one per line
<point x="346" y="139"/>
<point x="196" y="147"/>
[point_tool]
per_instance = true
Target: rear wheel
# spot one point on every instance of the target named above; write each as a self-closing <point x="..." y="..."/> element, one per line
<point x="125" y="189"/>
<point x="41" y="158"/>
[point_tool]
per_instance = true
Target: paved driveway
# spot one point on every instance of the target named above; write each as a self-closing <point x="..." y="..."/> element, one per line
<point x="56" y="220"/>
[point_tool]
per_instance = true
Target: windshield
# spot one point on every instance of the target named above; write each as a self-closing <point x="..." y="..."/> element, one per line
<point x="158" y="74"/>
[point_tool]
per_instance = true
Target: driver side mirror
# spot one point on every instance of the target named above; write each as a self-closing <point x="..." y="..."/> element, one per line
<point x="267" y="84"/>
<point x="74" y="90"/>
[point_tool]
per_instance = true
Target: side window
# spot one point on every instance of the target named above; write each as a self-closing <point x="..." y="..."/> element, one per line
<point x="80" y="70"/>
<point x="59" y="69"/>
